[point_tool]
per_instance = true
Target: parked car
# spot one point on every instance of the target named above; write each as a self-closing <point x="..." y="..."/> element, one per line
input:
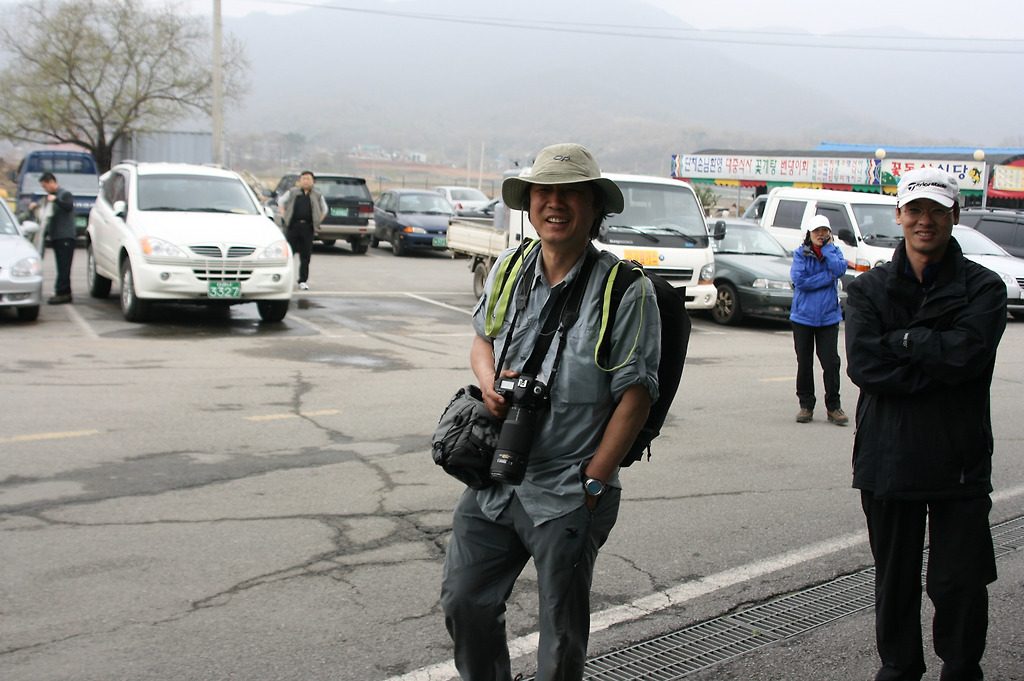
<point x="185" y="233"/>
<point x="751" y="274"/>
<point x="982" y="250"/>
<point x="21" y="267"/>
<point x="463" y="199"/>
<point x="1002" y="225"/>
<point x="485" y="211"/>
<point x="75" y="171"/>
<point x="411" y="218"/>
<point x="349" y="208"/>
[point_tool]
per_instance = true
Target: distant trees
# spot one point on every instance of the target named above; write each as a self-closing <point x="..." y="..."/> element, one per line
<point x="93" y="71"/>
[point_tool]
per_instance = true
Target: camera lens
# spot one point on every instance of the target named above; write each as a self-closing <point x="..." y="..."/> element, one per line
<point x="513" y="450"/>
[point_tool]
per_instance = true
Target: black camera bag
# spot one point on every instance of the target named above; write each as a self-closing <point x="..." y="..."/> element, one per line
<point x="463" y="444"/>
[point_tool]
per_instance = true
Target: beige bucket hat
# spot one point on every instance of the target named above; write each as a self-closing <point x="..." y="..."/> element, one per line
<point x="561" y="164"/>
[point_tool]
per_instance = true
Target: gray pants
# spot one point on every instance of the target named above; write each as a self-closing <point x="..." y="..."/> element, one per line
<point x="484" y="560"/>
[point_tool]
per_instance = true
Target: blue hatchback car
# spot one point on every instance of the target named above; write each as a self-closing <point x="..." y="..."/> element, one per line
<point x="411" y="219"/>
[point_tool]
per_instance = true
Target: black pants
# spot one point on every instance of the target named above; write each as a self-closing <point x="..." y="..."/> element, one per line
<point x="300" y="238"/>
<point x="63" y="252"/>
<point x="961" y="563"/>
<point x="824" y="339"/>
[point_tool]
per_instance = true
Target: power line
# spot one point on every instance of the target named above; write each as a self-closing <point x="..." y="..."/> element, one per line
<point x="816" y="41"/>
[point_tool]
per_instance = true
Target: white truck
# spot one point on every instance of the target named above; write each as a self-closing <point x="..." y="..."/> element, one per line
<point x="662" y="227"/>
<point x="864" y="225"/>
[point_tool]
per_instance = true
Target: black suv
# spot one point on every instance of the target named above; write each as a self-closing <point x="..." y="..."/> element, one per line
<point x="1003" y="225"/>
<point x="349" y="208"/>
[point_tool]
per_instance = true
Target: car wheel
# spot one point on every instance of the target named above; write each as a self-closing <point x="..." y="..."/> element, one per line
<point x="99" y="286"/>
<point x="28" y="314"/>
<point x="133" y="309"/>
<point x="272" y="310"/>
<point x="479" y="278"/>
<point x="727" y="305"/>
<point x="328" y="242"/>
<point x="1017" y="314"/>
<point x="397" y="247"/>
<point x="358" y="245"/>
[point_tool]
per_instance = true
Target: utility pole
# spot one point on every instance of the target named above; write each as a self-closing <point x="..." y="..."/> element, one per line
<point x="218" y="89"/>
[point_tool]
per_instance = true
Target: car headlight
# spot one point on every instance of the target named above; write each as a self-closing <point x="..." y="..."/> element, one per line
<point x="707" y="273"/>
<point x="27" y="267"/>
<point x="278" y="249"/>
<point x="160" y="248"/>
<point x="414" y="230"/>
<point x="776" y="284"/>
<point x="1011" y="283"/>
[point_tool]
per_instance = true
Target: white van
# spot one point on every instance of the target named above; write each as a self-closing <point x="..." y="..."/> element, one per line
<point x="662" y="227"/>
<point x="864" y="225"/>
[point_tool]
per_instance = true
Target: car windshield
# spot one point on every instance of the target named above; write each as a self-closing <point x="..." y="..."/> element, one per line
<point x="468" y="195"/>
<point x="749" y="241"/>
<point x="424" y="203"/>
<point x="877" y="221"/>
<point x="976" y="243"/>
<point x="342" y="188"/>
<point x="195" y="193"/>
<point x="659" y="208"/>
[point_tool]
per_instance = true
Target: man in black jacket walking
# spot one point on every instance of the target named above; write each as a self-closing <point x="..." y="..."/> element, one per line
<point x="921" y="338"/>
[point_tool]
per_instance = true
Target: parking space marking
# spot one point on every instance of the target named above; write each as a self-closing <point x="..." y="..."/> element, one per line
<point x="49" y="436"/>
<point x="439" y="304"/>
<point x="272" y="417"/>
<point x="80" y="322"/>
<point x="777" y="380"/>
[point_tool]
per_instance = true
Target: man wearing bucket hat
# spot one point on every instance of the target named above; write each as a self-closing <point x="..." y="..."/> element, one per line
<point x="815" y="316"/>
<point x="564" y="509"/>
<point x="921" y="339"/>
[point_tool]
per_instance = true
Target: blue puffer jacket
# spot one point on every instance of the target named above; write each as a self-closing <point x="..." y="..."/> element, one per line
<point x="815" y="296"/>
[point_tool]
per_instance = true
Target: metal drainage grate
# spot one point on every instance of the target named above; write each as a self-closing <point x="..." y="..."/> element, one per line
<point x="678" y="654"/>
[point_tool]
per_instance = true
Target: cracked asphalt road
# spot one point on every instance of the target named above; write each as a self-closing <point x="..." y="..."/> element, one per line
<point x="208" y="497"/>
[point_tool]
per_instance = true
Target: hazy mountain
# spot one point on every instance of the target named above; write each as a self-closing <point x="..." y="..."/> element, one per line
<point x="342" y="78"/>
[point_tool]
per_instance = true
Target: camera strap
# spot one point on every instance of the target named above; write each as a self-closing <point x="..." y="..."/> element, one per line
<point x="562" y="315"/>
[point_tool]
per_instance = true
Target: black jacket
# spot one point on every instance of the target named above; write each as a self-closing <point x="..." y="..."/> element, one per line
<point x="924" y="362"/>
<point x="62" y="217"/>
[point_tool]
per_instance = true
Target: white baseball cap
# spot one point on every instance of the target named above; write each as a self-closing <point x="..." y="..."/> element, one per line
<point x="927" y="183"/>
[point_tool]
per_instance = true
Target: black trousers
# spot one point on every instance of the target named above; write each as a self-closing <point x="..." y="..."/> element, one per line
<point x="824" y="340"/>
<point x="63" y="252"/>
<point x="961" y="564"/>
<point x="300" y="238"/>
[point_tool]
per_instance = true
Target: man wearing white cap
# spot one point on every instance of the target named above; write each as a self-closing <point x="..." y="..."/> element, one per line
<point x="564" y="508"/>
<point x="921" y="339"/>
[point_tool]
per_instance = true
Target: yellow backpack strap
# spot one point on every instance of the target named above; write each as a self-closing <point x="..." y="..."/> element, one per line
<point x="504" y="283"/>
<point x="618" y="279"/>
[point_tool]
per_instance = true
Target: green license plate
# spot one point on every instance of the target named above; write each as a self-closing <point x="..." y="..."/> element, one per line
<point x="225" y="289"/>
<point x="339" y="212"/>
<point x="440" y="242"/>
<point x="81" y="221"/>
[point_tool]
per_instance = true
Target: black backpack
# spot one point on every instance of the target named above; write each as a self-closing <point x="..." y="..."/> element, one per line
<point x="675" y="332"/>
<point x="675" y="338"/>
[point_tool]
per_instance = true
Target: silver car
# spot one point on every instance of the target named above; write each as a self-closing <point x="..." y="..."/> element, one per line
<point x="21" y="267"/>
<point x="987" y="253"/>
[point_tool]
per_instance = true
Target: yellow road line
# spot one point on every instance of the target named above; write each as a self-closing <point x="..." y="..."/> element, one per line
<point x="271" y="417"/>
<point x="49" y="436"/>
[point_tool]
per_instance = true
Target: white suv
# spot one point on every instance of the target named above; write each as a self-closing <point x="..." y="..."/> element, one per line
<point x="175" y="232"/>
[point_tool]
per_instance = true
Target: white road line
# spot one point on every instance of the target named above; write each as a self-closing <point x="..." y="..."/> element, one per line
<point x="677" y="595"/>
<point x="434" y="302"/>
<point x="80" y="322"/>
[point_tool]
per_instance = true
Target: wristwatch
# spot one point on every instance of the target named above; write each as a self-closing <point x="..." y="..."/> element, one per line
<point x="593" y="487"/>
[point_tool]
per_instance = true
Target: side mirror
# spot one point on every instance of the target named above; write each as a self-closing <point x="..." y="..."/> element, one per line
<point x="719" y="230"/>
<point x="120" y="209"/>
<point x="30" y="227"/>
<point x="846" y="236"/>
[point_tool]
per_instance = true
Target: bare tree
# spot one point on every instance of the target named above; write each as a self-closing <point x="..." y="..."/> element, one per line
<point x="91" y="72"/>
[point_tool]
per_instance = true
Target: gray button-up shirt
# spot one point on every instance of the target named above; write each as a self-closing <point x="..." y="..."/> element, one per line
<point x="584" y="395"/>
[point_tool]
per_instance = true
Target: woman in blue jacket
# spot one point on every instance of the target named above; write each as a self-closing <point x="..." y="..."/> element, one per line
<point x="815" y="316"/>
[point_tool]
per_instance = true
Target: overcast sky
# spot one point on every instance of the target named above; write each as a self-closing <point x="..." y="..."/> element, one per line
<point x="952" y="18"/>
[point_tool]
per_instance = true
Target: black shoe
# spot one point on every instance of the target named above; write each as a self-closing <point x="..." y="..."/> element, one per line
<point x="62" y="299"/>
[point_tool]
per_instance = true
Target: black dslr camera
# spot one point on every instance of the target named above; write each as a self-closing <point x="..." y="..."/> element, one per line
<point x="528" y="397"/>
